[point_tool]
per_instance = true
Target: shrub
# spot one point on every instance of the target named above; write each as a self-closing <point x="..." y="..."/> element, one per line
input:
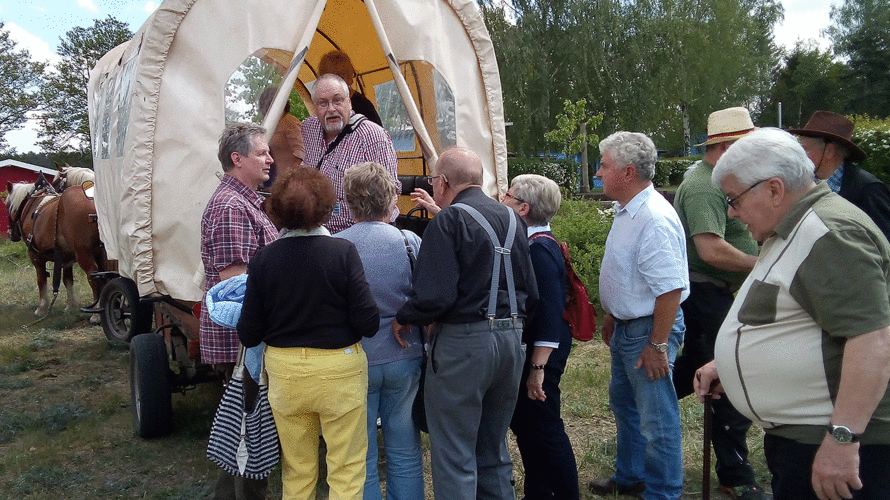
<point x="872" y="135"/>
<point x="563" y="172"/>
<point x="670" y="171"/>
<point x="584" y="225"/>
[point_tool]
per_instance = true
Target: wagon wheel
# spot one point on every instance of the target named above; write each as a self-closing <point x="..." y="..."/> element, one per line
<point x="150" y="386"/>
<point x="123" y="315"/>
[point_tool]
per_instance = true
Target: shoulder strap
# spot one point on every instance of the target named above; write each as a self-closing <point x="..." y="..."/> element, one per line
<point x="501" y="253"/>
<point x="356" y="120"/>
<point x="543" y="235"/>
<point x="411" y="257"/>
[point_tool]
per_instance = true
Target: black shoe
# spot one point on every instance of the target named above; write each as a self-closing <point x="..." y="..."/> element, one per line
<point x="608" y="487"/>
<point x="747" y="492"/>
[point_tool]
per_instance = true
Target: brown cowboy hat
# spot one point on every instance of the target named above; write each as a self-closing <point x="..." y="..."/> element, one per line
<point x="833" y="128"/>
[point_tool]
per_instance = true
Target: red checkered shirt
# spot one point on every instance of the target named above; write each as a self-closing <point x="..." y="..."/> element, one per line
<point x="368" y="142"/>
<point x="233" y="228"/>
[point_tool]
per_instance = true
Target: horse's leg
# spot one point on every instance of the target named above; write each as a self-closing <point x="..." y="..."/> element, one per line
<point x="68" y="279"/>
<point x="86" y="258"/>
<point x="42" y="289"/>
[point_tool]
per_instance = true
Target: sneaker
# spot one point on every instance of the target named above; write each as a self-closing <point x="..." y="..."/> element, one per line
<point x="746" y="492"/>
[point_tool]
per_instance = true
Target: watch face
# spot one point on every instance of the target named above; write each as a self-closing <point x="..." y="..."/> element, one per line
<point x="841" y="434"/>
<point x="659" y="347"/>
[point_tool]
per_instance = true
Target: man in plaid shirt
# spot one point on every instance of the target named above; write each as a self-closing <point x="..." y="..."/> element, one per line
<point x="336" y="139"/>
<point x="233" y="228"/>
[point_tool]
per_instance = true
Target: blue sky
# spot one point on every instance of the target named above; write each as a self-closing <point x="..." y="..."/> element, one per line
<point x="38" y="25"/>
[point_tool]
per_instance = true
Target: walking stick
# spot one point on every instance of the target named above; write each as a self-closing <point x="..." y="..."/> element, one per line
<point x="706" y="442"/>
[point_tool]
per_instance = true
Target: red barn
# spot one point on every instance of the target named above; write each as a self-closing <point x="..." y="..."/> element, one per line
<point x="15" y="171"/>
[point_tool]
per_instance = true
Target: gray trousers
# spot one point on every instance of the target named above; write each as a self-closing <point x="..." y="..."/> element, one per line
<point x="472" y="382"/>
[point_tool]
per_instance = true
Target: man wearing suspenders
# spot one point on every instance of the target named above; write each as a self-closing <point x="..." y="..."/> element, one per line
<point x="474" y="283"/>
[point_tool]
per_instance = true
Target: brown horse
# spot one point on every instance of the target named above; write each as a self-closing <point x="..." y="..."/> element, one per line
<point x="56" y="228"/>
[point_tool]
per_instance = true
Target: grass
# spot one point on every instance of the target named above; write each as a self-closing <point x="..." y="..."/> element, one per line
<point x="66" y="427"/>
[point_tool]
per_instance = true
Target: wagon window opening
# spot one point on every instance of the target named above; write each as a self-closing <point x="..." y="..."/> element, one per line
<point x="242" y="92"/>
<point x="126" y="87"/>
<point x="422" y="78"/>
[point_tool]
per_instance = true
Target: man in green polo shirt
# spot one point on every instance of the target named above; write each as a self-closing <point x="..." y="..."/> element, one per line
<point x="720" y="252"/>
<point x="804" y="351"/>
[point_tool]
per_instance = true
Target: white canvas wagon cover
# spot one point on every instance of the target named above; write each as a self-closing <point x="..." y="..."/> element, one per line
<point x="158" y="103"/>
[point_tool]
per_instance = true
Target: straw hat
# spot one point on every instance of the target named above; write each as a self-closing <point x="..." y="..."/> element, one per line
<point x="833" y="128"/>
<point x="728" y="125"/>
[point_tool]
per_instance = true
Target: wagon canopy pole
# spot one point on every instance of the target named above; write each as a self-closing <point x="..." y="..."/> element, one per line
<point x="270" y="121"/>
<point x="426" y="144"/>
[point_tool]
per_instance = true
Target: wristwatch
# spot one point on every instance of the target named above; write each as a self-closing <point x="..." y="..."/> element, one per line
<point x="842" y="434"/>
<point x="659" y="347"/>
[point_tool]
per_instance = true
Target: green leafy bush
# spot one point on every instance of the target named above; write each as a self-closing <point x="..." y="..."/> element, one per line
<point x="872" y="135"/>
<point x="563" y="172"/>
<point x="669" y="171"/>
<point x="584" y="225"/>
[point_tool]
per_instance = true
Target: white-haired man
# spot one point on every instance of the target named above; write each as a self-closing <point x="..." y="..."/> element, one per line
<point x="336" y="138"/>
<point x="804" y="352"/>
<point x="643" y="279"/>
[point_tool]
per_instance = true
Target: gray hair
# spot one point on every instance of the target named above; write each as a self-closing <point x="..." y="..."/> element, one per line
<point x="541" y="194"/>
<point x="763" y="154"/>
<point x="332" y="77"/>
<point x="237" y="137"/>
<point x="369" y="189"/>
<point x="632" y="148"/>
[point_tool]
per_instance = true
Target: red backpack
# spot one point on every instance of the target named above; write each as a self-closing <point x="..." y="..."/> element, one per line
<point x="579" y="312"/>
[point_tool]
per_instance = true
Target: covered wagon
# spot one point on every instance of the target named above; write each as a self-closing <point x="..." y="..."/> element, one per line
<point x="158" y="103"/>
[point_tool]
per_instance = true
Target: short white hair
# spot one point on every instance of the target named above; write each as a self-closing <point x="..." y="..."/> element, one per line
<point x="632" y="148"/>
<point x="763" y="154"/>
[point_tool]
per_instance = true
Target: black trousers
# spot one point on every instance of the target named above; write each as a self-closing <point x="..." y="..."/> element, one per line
<point x="792" y="466"/>
<point x="704" y="311"/>
<point x="547" y="456"/>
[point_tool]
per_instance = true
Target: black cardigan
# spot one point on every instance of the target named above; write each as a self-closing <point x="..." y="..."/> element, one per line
<point x="867" y="192"/>
<point x="307" y="291"/>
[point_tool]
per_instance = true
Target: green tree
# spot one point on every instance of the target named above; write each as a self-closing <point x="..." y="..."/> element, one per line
<point x="807" y="80"/>
<point x="572" y="133"/>
<point x="656" y="66"/>
<point x="19" y="81"/>
<point x="860" y="31"/>
<point x="64" y="122"/>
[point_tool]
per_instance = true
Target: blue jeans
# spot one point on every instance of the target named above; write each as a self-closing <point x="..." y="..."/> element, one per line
<point x="646" y="413"/>
<point x="391" y="390"/>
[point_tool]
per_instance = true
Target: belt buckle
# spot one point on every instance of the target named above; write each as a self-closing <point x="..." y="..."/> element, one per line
<point x="503" y="324"/>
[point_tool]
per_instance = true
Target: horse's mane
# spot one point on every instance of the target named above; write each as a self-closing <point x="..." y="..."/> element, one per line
<point x="76" y="176"/>
<point x="18" y="193"/>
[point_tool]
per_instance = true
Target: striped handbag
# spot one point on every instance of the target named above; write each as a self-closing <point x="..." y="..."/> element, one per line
<point x="243" y="437"/>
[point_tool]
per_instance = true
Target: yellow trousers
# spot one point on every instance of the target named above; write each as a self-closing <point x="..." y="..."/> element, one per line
<point x="312" y="390"/>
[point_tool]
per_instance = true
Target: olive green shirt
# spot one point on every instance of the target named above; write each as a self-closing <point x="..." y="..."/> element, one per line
<point x="702" y="209"/>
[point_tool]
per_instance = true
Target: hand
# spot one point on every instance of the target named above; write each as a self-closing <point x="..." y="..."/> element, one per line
<point x="608" y="328"/>
<point x="836" y="470"/>
<point x="656" y="363"/>
<point x="397" y="330"/>
<point x="535" y="385"/>
<point x="423" y="199"/>
<point x="705" y="377"/>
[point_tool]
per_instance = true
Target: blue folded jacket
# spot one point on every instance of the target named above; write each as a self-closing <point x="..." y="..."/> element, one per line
<point x="223" y="304"/>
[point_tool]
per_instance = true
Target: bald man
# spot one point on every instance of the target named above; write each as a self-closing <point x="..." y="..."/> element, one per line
<point x="472" y="377"/>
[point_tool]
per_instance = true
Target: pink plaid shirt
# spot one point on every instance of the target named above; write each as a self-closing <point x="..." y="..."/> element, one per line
<point x="233" y="228"/>
<point x="368" y="142"/>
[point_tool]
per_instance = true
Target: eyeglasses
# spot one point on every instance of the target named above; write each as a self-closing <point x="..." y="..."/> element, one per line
<point x="732" y="202"/>
<point x="430" y="178"/>
<point x="508" y="194"/>
<point x="336" y="102"/>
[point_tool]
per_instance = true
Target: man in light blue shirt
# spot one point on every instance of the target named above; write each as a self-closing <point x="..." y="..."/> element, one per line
<point x="643" y="278"/>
